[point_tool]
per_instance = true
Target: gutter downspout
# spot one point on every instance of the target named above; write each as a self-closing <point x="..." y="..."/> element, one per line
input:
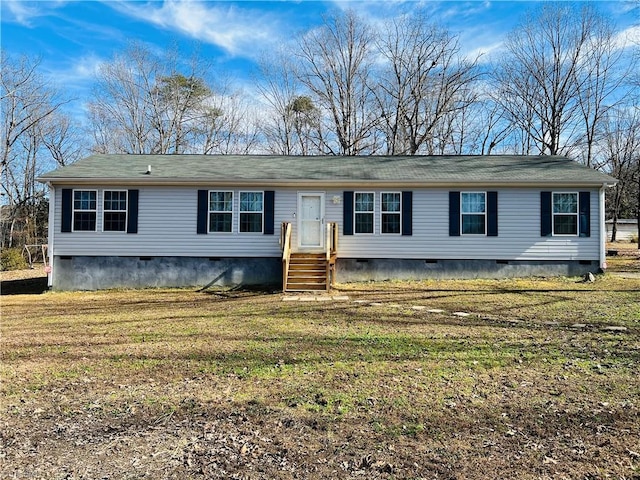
<point x="602" y="228"/>
<point x="51" y="232"/>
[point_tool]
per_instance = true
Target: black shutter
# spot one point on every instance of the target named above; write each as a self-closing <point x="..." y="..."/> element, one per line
<point x="347" y="213"/>
<point x="584" y="205"/>
<point x="269" y="207"/>
<point x="407" y="213"/>
<point x="132" y="211"/>
<point x="67" y="209"/>
<point x="492" y="214"/>
<point x="454" y="214"/>
<point x="203" y="210"/>
<point x="546" y="219"/>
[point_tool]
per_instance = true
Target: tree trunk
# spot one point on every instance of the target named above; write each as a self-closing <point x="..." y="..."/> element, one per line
<point x="614" y="229"/>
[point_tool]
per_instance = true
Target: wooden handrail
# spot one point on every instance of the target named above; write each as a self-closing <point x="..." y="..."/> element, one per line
<point x="331" y="248"/>
<point x="285" y="239"/>
<point x="334" y="243"/>
<point x="328" y="258"/>
<point x="327" y="245"/>
<point x="285" y="242"/>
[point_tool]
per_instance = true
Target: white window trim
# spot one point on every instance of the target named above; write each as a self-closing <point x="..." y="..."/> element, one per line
<point x="553" y="215"/>
<point x="372" y="212"/>
<point x="209" y="212"/>
<point x="474" y="213"/>
<point x="398" y="213"/>
<point x="104" y="210"/>
<point x="73" y="209"/>
<point x="240" y="212"/>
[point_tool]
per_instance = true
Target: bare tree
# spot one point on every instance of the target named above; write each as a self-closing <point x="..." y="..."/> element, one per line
<point x="492" y="126"/>
<point x="601" y="80"/>
<point x="121" y="110"/>
<point x="336" y="60"/>
<point x="27" y="99"/>
<point x="146" y="104"/>
<point x="226" y="126"/>
<point x="424" y="84"/>
<point x="621" y="145"/>
<point x="291" y="123"/>
<point x="63" y="138"/>
<point x="635" y="82"/>
<point x="557" y="75"/>
<point x="278" y="86"/>
<point x="479" y="128"/>
<point x="30" y="107"/>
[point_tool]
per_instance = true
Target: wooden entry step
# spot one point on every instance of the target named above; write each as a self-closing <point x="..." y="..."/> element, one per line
<point x="307" y="272"/>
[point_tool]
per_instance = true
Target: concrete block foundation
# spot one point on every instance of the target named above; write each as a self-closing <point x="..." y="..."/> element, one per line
<point x="95" y="273"/>
<point x="380" y="269"/>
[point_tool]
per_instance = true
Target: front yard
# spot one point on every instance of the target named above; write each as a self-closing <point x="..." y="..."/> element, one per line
<point x="540" y="380"/>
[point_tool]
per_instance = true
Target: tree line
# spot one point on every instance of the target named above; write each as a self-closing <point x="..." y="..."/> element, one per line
<point x="562" y="86"/>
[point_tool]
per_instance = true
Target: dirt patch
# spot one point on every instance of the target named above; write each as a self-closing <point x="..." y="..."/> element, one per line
<point x="218" y="444"/>
<point x="254" y="442"/>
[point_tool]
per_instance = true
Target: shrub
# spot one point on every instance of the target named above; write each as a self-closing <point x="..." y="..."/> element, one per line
<point x="12" y="259"/>
<point x="634" y="238"/>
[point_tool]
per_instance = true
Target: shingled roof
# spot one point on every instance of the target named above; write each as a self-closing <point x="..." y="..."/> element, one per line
<point x="327" y="170"/>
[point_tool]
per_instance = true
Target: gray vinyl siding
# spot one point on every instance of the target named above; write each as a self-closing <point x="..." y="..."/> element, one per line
<point x="167" y="227"/>
<point x="167" y="218"/>
<point x="518" y="232"/>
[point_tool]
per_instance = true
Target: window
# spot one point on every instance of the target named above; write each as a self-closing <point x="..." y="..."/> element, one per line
<point x="364" y="212"/>
<point x="115" y="211"/>
<point x="565" y="213"/>
<point x="220" y="211"/>
<point x="473" y="210"/>
<point x="251" y="211"/>
<point x="80" y="209"/>
<point x="84" y="210"/>
<point x="391" y="212"/>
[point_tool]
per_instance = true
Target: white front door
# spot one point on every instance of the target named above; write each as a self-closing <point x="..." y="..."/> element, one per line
<point x="310" y="220"/>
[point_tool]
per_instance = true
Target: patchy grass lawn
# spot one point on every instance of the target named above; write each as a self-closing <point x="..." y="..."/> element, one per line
<point x="182" y="384"/>
<point x="626" y="259"/>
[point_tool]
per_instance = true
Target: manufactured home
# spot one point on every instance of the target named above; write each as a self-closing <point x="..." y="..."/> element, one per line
<point x="305" y="222"/>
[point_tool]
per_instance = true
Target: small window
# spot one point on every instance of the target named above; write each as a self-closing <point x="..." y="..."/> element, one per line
<point x="251" y="212"/>
<point x="363" y="211"/>
<point x="473" y="213"/>
<point x="391" y="208"/>
<point x="115" y="211"/>
<point x="220" y="211"/>
<point x="565" y="213"/>
<point x="84" y="210"/>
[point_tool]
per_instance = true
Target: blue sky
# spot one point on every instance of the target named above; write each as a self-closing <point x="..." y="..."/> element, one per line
<point x="74" y="37"/>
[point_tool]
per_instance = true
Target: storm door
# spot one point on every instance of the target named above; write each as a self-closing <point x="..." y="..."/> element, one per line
<point x="310" y="220"/>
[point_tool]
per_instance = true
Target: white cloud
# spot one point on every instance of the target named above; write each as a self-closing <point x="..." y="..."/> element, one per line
<point x="628" y="37"/>
<point x="24" y="12"/>
<point x="21" y="12"/>
<point x="75" y="75"/>
<point x="485" y="53"/>
<point x="463" y="10"/>
<point x="86" y="67"/>
<point x="238" y="31"/>
<point x="477" y="38"/>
